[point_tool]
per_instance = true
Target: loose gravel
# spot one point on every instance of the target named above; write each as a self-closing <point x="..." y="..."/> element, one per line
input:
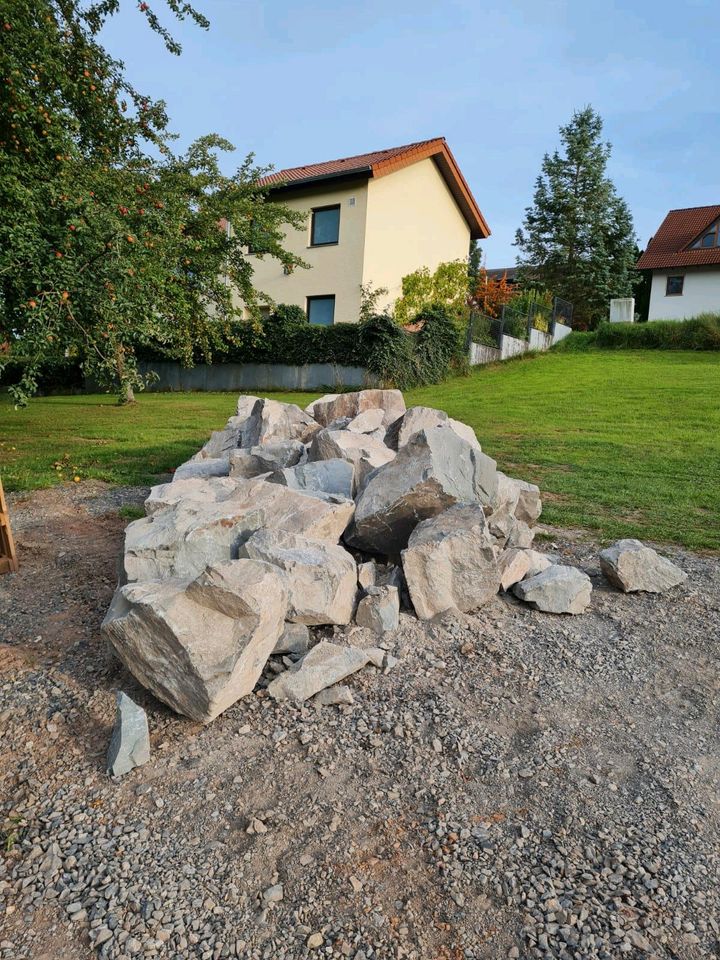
<point x="517" y="785"/>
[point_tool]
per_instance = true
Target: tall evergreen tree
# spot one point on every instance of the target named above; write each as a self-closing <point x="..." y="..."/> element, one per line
<point x="578" y="239"/>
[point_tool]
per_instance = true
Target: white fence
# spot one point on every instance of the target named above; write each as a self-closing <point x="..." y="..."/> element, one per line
<point x="512" y="347"/>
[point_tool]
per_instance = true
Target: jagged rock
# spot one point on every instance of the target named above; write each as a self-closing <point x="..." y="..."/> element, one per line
<point x="194" y="489"/>
<point x="180" y="541"/>
<point x="366" y="453"/>
<point x="333" y="476"/>
<point x="130" y="741"/>
<point x="379" y="610"/>
<point x="521" y="499"/>
<point x="339" y="695"/>
<point x="367" y="574"/>
<point x="322" y="577"/>
<point x="631" y="566"/>
<point x="219" y="445"/>
<point x="324" y="399"/>
<point x="199" y="645"/>
<point x="327" y="663"/>
<point x="369" y="421"/>
<point x="271" y="421"/>
<point x="255" y="461"/>
<point x="559" y="589"/>
<point x="434" y="470"/>
<point x="245" y="405"/>
<point x="517" y="564"/>
<point x="450" y="562"/>
<point x="335" y="406"/>
<point x="418" y="418"/>
<point x="508" y="531"/>
<point x="212" y="467"/>
<point x="295" y="638"/>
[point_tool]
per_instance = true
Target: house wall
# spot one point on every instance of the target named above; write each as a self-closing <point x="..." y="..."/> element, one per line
<point x="701" y="293"/>
<point x="336" y="269"/>
<point x="413" y="221"/>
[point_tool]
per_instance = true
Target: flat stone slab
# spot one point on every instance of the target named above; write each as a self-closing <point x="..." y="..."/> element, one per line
<point x="130" y="743"/>
<point x="326" y="664"/>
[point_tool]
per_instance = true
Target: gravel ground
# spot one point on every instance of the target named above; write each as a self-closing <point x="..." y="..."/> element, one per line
<point x="519" y="785"/>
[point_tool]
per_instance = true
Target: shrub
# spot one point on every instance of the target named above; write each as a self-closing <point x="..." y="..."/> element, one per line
<point x="447" y="287"/>
<point x="388" y="351"/>
<point x="439" y="345"/>
<point x="700" y="333"/>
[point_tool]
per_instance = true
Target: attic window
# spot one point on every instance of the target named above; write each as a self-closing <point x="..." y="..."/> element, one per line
<point x="710" y="238"/>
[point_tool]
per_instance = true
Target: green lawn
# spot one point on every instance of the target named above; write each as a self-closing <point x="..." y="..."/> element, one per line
<point x="621" y="442"/>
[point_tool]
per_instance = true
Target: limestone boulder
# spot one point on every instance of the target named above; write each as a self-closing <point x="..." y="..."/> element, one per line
<point x="508" y="531"/>
<point x="334" y="476"/>
<point x="450" y="562"/>
<point x="209" y="467"/>
<point x="271" y="421"/>
<point x="364" y="452"/>
<point x="322" y="577"/>
<point x="434" y="470"/>
<point x="244" y="407"/>
<point x="558" y="589"/>
<point x="418" y="418"/>
<point x="181" y="540"/>
<point x="193" y="490"/>
<point x="379" y="610"/>
<point x="369" y="421"/>
<point x="327" y="663"/>
<point x="519" y="498"/>
<point x="631" y="566"/>
<point x="518" y="564"/>
<point x="275" y="455"/>
<point x="199" y="645"/>
<point x="220" y="444"/>
<point x="335" y="406"/>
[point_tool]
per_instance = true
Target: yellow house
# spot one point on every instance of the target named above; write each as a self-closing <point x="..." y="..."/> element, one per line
<point x="372" y="219"/>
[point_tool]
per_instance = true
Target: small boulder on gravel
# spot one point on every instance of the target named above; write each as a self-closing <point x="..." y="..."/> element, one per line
<point x="379" y="610"/>
<point x="130" y="742"/>
<point x="327" y="663"/>
<point x="517" y="564"/>
<point x="559" y="589"/>
<point x="631" y="566"/>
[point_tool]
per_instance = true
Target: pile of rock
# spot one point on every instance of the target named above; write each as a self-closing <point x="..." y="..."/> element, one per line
<point x="288" y="519"/>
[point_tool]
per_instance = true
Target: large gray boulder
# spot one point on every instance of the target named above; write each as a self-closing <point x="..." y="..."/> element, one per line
<point x="418" y="418"/>
<point x="559" y="589"/>
<point x="130" y="742"/>
<point x="271" y="421"/>
<point x="335" y="406"/>
<point x="275" y="455"/>
<point x="631" y="566"/>
<point x="369" y="421"/>
<point x="199" y="645"/>
<point x="220" y="444"/>
<point x="434" y="470"/>
<point x="450" y="562"/>
<point x="327" y="663"/>
<point x="193" y="489"/>
<point x="209" y="467"/>
<point x="379" y="610"/>
<point x="519" y="498"/>
<point x="244" y="407"/>
<point x="334" y="476"/>
<point x="180" y="541"/>
<point x="366" y="453"/>
<point x="322" y="577"/>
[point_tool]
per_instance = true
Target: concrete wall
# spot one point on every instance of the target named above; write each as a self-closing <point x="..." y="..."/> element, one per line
<point x="701" y="294"/>
<point x="479" y="353"/>
<point x="540" y="340"/>
<point x="335" y="269"/>
<point x="512" y="347"/>
<point x="254" y="376"/>
<point x="413" y="221"/>
<point x="561" y="331"/>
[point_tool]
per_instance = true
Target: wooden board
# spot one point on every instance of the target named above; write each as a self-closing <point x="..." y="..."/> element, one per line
<point x="8" y="556"/>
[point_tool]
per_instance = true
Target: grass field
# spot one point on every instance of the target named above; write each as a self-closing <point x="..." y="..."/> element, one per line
<point x="622" y="442"/>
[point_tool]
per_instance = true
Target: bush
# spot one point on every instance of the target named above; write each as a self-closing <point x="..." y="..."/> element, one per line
<point x="439" y="346"/>
<point x="700" y="333"/>
<point x="388" y="351"/>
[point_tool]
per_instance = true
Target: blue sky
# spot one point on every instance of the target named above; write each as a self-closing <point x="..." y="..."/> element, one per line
<point x="299" y="82"/>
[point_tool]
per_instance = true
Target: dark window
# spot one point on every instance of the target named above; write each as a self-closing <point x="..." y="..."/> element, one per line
<point x="674" y="286"/>
<point x="325" y="227"/>
<point x="708" y="240"/>
<point x="321" y="310"/>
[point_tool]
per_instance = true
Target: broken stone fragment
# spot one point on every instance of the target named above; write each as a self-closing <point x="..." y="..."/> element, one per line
<point x="418" y="418"/>
<point x="520" y="498"/>
<point x="335" y="406"/>
<point x="367" y="574"/>
<point x="272" y="421"/>
<point x="198" y="489"/>
<point x="327" y="663"/>
<point x="379" y="610"/>
<point x="367" y="422"/>
<point x="295" y="638"/>
<point x="213" y="467"/>
<point x="254" y="461"/>
<point x="335" y="476"/>
<point x="130" y="741"/>
<point x="434" y="470"/>
<point x="220" y="444"/>
<point x="364" y="452"/>
<point x="631" y="566"/>
<point x="322" y="577"/>
<point x="337" y="695"/>
<point x="559" y="589"/>
<point x="450" y="562"/>
<point x="516" y="565"/>
<point x="199" y="645"/>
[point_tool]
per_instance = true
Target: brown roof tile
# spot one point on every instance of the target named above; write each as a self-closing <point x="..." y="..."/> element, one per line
<point x="668" y="248"/>
<point x="381" y="162"/>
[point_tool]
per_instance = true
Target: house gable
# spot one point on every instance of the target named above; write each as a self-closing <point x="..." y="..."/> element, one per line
<point x="673" y="245"/>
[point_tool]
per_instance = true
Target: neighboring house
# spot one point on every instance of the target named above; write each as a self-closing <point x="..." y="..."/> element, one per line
<point x="508" y="274"/>
<point x="684" y="257"/>
<point x="372" y="219"/>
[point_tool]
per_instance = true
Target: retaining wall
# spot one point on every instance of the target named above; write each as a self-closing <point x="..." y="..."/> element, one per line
<point x="254" y="376"/>
<point x="512" y="347"/>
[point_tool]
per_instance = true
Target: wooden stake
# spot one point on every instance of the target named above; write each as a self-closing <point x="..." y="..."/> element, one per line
<point x="8" y="556"/>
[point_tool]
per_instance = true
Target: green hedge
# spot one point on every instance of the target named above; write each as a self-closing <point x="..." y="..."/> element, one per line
<point x="700" y="333"/>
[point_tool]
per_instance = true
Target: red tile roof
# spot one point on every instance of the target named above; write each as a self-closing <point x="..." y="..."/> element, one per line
<point x="679" y="229"/>
<point x="381" y="162"/>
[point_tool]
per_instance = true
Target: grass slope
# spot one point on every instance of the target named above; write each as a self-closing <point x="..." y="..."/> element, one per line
<point x="623" y="442"/>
